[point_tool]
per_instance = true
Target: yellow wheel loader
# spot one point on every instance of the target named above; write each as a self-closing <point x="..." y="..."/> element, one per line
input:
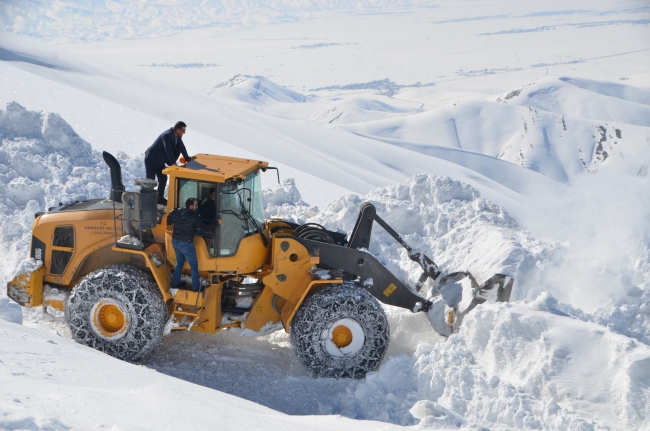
<point x="108" y="264"/>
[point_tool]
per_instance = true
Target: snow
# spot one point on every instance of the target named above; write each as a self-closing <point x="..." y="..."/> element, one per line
<point x="58" y="384"/>
<point x="130" y="240"/>
<point x="496" y="137"/>
<point x="511" y="364"/>
<point x="10" y="311"/>
<point x="284" y="201"/>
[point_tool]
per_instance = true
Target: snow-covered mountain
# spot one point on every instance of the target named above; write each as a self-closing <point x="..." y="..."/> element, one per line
<point x="559" y="127"/>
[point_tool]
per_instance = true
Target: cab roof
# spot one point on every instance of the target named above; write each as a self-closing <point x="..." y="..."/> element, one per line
<point x="209" y="167"/>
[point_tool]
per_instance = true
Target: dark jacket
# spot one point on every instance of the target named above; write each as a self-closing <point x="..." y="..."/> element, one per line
<point x="208" y="209"/>
<point x="165" y="149"/>
<point x="186" y="222"/>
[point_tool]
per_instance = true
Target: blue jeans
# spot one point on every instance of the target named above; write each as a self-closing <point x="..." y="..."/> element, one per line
<point x="186" y="251"/>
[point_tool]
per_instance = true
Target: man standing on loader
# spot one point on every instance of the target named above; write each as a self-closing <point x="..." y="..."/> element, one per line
<point x="165" y="150"/>
<point x="186" y="221"/>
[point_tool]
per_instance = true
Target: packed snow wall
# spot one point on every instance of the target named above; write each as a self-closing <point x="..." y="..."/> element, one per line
<point x="44" y="162"/>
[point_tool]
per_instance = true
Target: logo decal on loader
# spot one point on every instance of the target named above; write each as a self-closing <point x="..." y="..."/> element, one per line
<point x="390" y="289"/>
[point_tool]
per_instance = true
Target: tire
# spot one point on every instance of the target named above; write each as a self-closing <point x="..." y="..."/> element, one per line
<point x="340" y="331"/>
<point x="117" y="310"/>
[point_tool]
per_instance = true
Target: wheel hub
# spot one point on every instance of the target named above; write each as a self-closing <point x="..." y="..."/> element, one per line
<point x="111" y="318"/>
<point x="108" y="319"/>
<point x="345" y="337"/>
<point x="341" y="336"/>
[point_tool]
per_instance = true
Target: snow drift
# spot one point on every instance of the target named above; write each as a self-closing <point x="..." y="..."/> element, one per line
<point x="521" y="366"/>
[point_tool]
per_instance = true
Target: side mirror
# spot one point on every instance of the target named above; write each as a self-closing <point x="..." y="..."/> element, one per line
<point x="276" y="170"/>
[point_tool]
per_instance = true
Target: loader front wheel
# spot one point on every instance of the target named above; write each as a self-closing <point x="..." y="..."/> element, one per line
<point x="117" y="310"/>
<point x="340" y="331"/>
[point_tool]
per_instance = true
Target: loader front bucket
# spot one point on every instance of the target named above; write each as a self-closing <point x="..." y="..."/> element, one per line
<point x="27" y="289"/>
<point x="460" y="294"/>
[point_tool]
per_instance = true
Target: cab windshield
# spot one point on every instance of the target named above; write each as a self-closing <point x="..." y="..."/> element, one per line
<point x="242" y="212"/>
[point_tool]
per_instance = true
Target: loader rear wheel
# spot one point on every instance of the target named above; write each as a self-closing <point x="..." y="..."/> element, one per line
<point x="340" y="331"/>
<point x="117" y="310"/>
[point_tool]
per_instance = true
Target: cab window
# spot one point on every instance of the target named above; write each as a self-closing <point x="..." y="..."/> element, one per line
<point x="198" y="190"/>
<point x="242" y="212"/>
<point x="62" y="248"/>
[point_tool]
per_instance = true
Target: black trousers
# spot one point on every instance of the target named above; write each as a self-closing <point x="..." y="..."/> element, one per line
<point x="152" y="172"/>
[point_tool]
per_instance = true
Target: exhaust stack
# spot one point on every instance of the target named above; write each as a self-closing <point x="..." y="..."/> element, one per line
<point x="117" y="188"/>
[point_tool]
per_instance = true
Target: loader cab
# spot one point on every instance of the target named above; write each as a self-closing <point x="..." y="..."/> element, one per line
<point x="240" y="243"/>
<point x="237" y="202"/>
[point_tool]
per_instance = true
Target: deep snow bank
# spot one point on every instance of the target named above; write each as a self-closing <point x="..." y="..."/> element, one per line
<point x="446" y="219"/>
<point x="544" y="364"/>
<point x="43" y="162"/>
<point x="285" y="201"/>
<point x="451" y="223"/>
<point x="522" y="366"/>
<point x="604" y="264"/>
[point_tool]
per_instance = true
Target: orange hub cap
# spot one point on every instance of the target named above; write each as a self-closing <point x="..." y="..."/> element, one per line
<point x="111" y="318"/>
<point x="341" y="336"/>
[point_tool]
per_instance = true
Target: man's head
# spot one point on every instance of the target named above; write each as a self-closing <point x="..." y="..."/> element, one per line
<point x="191" y="204"/>
<point x="179" y="129"/>
<point x="213" y="193"/>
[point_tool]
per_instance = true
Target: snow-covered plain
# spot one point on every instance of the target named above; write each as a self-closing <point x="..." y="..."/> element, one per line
<point x="495" y="136"/>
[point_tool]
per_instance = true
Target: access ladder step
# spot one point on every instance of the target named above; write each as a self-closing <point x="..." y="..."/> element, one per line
<point x="187" y="313"/>
<point x="189" y="297"/>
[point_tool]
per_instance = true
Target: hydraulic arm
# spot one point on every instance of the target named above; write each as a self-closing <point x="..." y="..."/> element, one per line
<point x="458" y="293"/>
<point x="374" y="276"/>
<point x="360" y="238"/>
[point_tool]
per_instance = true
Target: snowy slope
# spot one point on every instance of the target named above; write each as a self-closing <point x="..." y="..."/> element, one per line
<point x="261" y="94"/>
<point x="57" y="384"/>
<point x="347" y="160"/>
